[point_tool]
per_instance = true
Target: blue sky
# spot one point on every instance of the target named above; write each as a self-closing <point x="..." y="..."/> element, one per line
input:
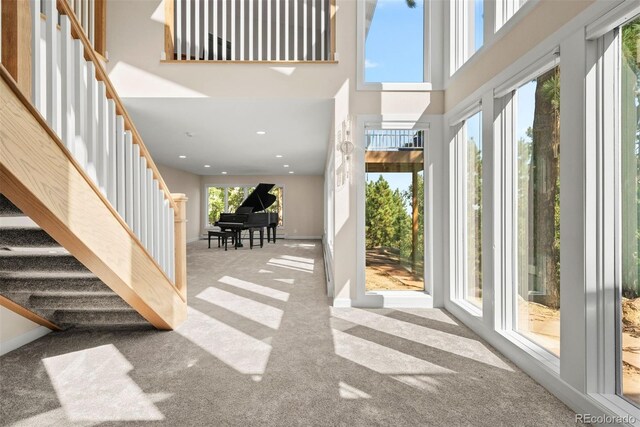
<point x="394" y="48"/>
<point x="525" y="106"/>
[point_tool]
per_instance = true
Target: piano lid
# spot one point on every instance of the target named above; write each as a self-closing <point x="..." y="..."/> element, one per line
<point x="259" y="199"/>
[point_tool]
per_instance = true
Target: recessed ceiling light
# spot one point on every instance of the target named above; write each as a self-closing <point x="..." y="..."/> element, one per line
<point x="290" y="171"/>
<point x="207" y="166"/>
<point x="183" y="157"/>
<point x="286" y="166"/>
<point x="224" y="173"/>
<point x="279" y="156"/>
<point x="261" y="132"/>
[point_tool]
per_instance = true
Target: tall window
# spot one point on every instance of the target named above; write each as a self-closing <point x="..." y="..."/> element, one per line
<point x="468" y="210"/>
<point x="472" y="157"/>
<point x="629" y="181"/>
<point x="466" y="30"/>
<point x="505" y="9"/>
<point x="537" y="214"/>
<point x="228" y="199"/>
<point x="394" y="41"/>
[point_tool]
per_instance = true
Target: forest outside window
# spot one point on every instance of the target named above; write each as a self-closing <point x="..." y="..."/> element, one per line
<point x="536" y="221"/>
<point x="228" y="198"/>
<point x="629" y="204"/>
<point x="468" y="240"/>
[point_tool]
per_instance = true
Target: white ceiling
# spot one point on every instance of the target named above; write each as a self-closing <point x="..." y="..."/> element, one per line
<point x="225" y="134"/>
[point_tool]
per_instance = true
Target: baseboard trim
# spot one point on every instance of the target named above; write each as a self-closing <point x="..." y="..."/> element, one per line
<point x="20" y="340"/>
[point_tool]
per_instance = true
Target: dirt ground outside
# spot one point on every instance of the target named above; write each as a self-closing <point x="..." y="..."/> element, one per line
<point x="384" y="271"/>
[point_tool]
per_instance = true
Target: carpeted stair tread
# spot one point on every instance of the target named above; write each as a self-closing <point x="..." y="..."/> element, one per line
<point x="30" y="237"/>
<point x="7" y="208"/>
<point x="89" y="302"/>
<point x="35" y="260"/>
<point x="68" y="318"/>
<point x="38" y="281"/>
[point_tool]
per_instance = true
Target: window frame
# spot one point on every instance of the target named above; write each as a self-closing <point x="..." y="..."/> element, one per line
<point x="226" y="187"/>
<point x="363" y="85"/>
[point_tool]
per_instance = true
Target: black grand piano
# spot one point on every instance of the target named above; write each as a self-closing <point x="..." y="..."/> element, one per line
<point x="250" y="216"/>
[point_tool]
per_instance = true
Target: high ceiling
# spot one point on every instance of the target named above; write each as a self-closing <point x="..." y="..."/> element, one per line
<point x="224" y="134"/>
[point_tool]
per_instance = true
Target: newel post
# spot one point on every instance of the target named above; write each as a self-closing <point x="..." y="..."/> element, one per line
<point x="16" y="42"/>
<point x="169" y="29"/>
<point x="180" y="219"/>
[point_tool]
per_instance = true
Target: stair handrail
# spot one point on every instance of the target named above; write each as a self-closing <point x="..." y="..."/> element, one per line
<point x="101" y="74"/>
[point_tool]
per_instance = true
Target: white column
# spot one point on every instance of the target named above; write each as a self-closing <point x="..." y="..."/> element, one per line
<point x="260" y="55"/>
<point x="251" y="25"/>
<point x="216" y="4"/>
<point x="144" y="222"/>
<point x="112" y="170"/>
<point x="80" y="103"/>
<point x="151" y="242"/>
<point x="92" y="117"/>
<point x="120" y="167"/>
<point x="155" y="212"/>
<point x="178" y="29"/>
<point x="286" y="30"/>
<point x="52" y="66"/>
<point x="187" y="24"/>
<point x="269" y="27"/>
<point x="136" y="190"/>
<point x="196" y="33"/>
<point x="242" y="30"/>
<point x="102" y="139"/>
<point x="66" y="84"/>
<point x="223" y="46"/>
<point x="233" y="29"/>
<point x="205" y="32"/>
<point x="128" y="178"/>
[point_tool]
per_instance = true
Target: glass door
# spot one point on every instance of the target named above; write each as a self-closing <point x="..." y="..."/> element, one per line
<point x="394" y="209"/>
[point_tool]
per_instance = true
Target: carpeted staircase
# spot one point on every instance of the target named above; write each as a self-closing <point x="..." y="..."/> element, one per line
<point x="41" y="276"/>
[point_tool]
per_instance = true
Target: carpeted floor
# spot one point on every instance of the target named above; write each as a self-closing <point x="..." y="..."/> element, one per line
<point x="262" y="347"/>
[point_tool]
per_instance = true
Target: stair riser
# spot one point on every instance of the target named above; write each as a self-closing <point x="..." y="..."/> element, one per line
<point x="40" y="263"/>
<point x="26" y="238"/>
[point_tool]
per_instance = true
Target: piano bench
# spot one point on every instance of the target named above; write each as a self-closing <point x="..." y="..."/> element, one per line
<point x="223" y="237"/>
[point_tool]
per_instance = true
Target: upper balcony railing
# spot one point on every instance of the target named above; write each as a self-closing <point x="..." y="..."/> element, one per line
<point x="394" y="139"/>
<point x="250" y="30"/>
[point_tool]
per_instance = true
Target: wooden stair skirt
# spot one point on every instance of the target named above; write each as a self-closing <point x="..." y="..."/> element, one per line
<point x="42" y="179"/>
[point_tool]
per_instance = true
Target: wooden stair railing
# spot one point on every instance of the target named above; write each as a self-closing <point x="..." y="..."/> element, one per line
<point x="89" y="137"/>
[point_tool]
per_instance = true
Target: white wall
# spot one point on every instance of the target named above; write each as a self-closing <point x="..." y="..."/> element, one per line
<point x="303" y="201"/>
<point x="184" y="182"/>
<point x="16" y="331"/>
